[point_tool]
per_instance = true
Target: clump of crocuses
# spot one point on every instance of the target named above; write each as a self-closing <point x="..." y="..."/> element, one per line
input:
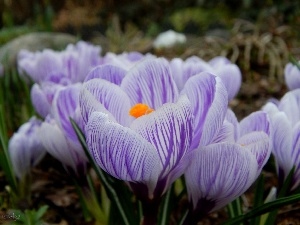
<point x="148" y="121"/>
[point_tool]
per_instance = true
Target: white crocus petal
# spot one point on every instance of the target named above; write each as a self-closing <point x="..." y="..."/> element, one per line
<point x="258" y="143"/>
<point x="112" y="97"/>
<point x="122" y="152"/>
<point x="282" y="142"/>
<point x="55" y="142"/>
<point x="170" y="130"/>
<point x="290" y="104"/>
<point x="218" y="174"/>
<point x="150" y="82"/>
<point x="270" y="108"/>
<point x="208" y="97"/>
<point x="231" y="118"/>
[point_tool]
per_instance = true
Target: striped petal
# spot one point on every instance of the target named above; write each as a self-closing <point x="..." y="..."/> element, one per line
<point x="150" y="82"/>
<point x="256" y="121"/>
<point x="257" y="142"/>
<point x="218" y="174"/>
<point x="110" y="73"/>
<point x="208" y="97"/>
<point x="282" y="142"/>
<point x="169" y="129"/>
<point x="65" y="104"/>
<point x="122" y="152"/>
<point x="112" y="97"/>
<point x="290" y="104"/>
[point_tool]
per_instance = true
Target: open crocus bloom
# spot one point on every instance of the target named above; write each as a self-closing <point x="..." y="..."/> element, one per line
<point x="145" y="113"/>
<point x="150" y="154"/>
<point x="292" y="76"/>
<point x="229" y="73"/>
<point x="25" y="148"/>
<point x="285" y="119"/>
<point x="73" y="63"/>
<point x="57" y="134"/>
<point x="220" y="172"/>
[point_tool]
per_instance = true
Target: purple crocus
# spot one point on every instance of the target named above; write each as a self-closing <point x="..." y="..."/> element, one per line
<point x="222" y="171"/>
<point x="73" y="63"/>
<point x="229" y="73"/>
<point x="57" y="134"/>
<point x="25" y="148"/>
<point x="285" y="119"/>
<point x="146" y="111"/>
<point x="292" y="76"/>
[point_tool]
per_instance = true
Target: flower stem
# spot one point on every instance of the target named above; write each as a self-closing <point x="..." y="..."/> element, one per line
<point x="150" y="211"/>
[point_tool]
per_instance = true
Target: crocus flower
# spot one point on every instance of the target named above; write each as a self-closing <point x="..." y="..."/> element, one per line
<point x="221" y="172"/>
<point x="229" y="73"/>
<point x="57" y="134"/>
<point x="148" y="96"/>
<point x="25" y="148"/>
<point x="285" y="119"/>
<point x="292" y="76"/>
<point x="125" y="60"/>
<point x="73" y="63"/>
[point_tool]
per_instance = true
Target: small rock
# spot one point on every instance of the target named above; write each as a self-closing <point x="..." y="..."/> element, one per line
<point x="33" y="42"/>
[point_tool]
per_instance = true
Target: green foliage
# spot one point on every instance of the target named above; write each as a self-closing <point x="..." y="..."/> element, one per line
<point x="201" y="17"/>
<point x="29" y="217"/>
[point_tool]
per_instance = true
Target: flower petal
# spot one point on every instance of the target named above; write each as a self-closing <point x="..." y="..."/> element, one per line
<point x="150" y="82"/>
<point x="218" y="174"/>
<point x="256" y="121"/>
<point x="292" y="76"/>
<point x="64" y="107"/>
<point x="170" y="130"/>
<point x="257" y="142"/>
<point x="112" y="97"/>
<point x="110" y="73"/>
<point x="208" y="97"/>
<point x="290" y="104"/>
<point x="121" y="152"/>
<point x="55" y="142"/>
<point x="282" y="142"/>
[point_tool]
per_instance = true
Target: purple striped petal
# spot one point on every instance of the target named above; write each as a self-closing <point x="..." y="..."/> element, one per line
<point x="65" y="106"/>
<point x="112" y="97"/>
<point x="150" y="82"/>
<point x="296" y="154"/>
<point x="218" y="174"/>
<point x="208" y="97"/>
<point x="89" y="104"/>
<point x="122" y="152"/>
<point x="257" y="142"/>
<point x="256" y="121"/>
<point x="282" y="142"/>
<point x="169" y="129"/>
<point x="183" y="70"/>
<point x="25" y="148"/>
<point x="110" y="73"/>
<point x="226" y="133"/>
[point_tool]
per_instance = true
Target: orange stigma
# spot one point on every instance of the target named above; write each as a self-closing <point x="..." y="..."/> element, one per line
<point x="140" y="110"/>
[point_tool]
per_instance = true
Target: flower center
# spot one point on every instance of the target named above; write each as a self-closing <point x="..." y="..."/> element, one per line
<point x="140" y="110"/>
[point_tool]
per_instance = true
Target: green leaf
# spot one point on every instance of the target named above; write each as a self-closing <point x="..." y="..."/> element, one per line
<point x="265" y="208"/>
<point x="258" y="196"/>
